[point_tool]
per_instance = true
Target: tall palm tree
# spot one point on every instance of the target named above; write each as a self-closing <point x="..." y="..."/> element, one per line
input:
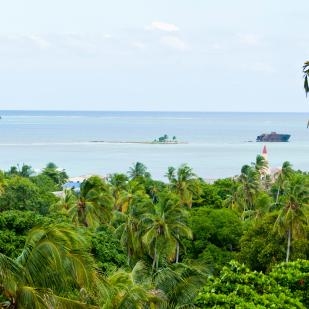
<point x="306" y="75"/>
<point x="184" y="183"/>
<point x="249" y="186"/>
<point x="294" y="214"/>
<point x="164" y="228"/>
<point x="94" y="203"/>
<point x="138" y="170"/>
<point x="134" y="192"/>
<point x="262" y="167"/>
<point x="66" y="201"/>
<point x="119" y="183"/>
<point x="129" y="226"/>
<point x="281" y="176"/>
<point x="53" y="264"/>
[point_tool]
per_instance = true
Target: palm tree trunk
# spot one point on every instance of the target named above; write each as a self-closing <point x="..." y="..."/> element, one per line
<point x="154" y="257"/>
<point x="277" y="196"/>
<point x="157" y="264"/>
<point x="289" y="245"/>
<point x="129" y="254"/>
<point x="177" y="252"/>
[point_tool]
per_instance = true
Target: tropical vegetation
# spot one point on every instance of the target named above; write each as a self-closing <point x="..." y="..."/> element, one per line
<point x="130" y="241"/>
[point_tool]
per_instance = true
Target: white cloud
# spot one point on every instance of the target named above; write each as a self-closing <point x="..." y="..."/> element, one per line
<point x="259" y="67"/>
<point x="159" y="25"/>
<point x="39" y="41"/>
<point x="249" y="39"/>
<point x="139" y="45"/>
<point x="174" y="42"/>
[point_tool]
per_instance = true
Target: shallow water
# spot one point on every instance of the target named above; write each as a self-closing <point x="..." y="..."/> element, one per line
<point x="217" y="142"/>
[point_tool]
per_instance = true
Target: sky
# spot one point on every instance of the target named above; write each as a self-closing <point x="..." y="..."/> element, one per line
<point x="163" y="55"/>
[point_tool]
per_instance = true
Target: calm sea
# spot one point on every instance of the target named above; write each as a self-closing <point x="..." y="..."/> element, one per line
<point x="218" y="143"/>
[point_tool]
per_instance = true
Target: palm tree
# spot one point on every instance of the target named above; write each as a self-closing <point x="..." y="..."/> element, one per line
<point x="119" y="183"/>
<point x="306" y="75"/>
<point x="24" y="171"/>
<point x="53" y="264"/>
<point x="59" y="176"/>
<point x="134" y="191"/>
<point x="249" y="186"/>
<point x="129" y="226"/>
<point x="262" y="167"/>
<point x="294" y="215"/>
<point x="281" y="176"/>
<point x="153" y="188"/>
<point x="171" y="173"/>
<point x="138" y="170"/>
<point x="180" y="284"/>
<point x="184" y="183"/>
<point x="66" y="201"/>
<point x="94" y="203"/>
<point x="164" y="228"/>
<point x="130" y="290"/>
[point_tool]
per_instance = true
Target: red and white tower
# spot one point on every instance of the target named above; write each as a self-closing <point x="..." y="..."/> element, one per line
<point x="264" y="152"/>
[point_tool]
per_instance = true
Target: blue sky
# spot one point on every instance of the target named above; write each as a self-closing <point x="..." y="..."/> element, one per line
<point x="197" y="55"/>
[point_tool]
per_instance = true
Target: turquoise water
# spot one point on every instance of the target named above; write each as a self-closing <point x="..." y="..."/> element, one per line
<point x="217" y="142"/>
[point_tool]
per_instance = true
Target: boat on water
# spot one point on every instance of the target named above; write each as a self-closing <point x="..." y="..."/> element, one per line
<point x="273" y="137"/>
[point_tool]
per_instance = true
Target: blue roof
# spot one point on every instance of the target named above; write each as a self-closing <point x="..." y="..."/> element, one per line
<point x="71" y="185"/>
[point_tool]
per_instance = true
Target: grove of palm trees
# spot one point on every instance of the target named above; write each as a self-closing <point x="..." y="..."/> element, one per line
<point x="129" y="241"/>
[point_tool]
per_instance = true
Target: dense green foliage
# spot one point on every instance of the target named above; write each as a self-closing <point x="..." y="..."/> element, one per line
<point x="130" y="241"/>
<point x="238" y="287"/>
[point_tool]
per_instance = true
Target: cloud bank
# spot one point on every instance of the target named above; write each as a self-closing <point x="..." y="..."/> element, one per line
<point x="163" y="26"/>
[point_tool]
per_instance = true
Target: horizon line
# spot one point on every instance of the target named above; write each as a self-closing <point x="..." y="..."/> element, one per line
<point x="149" y="111"/>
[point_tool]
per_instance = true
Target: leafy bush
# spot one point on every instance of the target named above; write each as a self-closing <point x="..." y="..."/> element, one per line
<point x="107" y="250"/>
<point x="295" y="276"/>
<point x="238" y="287"/>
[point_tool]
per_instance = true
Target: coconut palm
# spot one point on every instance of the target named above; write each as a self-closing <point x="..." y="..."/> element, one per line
<point x="53" y="264"/>
<point x="184" y="183"/>
<point x="180" y="284"/>
<point x="249" y="186"/>
<point x="59" y="176"/>
<point x="138" y="170"/>
<point x="24" y="171"/>
<point x="306" y="75"/>
<point x="281" y="176"/>
<point x="153" y="188"/>
<point x="164" y="228"/>
<point x="129" y="226"/>
<point x="171" y="173"/>
<point x="119" y="183"/>
<point x="135" y="191"/>
<point x="66" y="201"/>
<point x="94" y="203"/>
<point x="130" y="290"/>
<point x="293" y="216"/>
<point x="261" y="165"/>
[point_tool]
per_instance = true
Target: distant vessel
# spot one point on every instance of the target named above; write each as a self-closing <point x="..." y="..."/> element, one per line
<point x="273" y="137"/>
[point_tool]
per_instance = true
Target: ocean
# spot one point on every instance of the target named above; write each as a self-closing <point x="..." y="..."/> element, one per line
<point x="218" y="144"/>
